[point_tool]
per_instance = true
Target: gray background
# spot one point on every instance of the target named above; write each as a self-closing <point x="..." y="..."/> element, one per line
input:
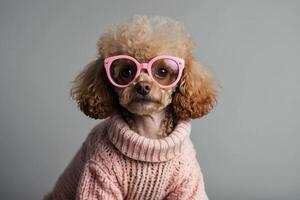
<point x="248" y="147"/>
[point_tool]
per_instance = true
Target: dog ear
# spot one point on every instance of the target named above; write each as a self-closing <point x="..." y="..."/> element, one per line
<point x="196" y="93"/>
<point x="92" y="92"/>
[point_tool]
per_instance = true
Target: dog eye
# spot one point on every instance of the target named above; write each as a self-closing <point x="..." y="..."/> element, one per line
<point x="161" y="72"/>
<point x="127" y="72"/>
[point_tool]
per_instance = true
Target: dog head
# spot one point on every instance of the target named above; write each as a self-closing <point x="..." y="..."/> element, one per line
<point x="144" y="38"/>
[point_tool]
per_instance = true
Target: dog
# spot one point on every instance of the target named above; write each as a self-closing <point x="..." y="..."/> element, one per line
<point x="146" y="75"/>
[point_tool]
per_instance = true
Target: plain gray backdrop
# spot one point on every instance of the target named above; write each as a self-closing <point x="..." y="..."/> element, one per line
<point x="248" y="146"/>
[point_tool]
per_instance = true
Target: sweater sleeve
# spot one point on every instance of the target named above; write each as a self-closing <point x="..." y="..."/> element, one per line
<point x="96" y="183"/>
<point x="65" y="186"/>
<point x="67" y="183"/>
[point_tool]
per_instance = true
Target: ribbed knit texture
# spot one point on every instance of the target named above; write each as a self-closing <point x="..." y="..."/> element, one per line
<point x="115" y="162"/>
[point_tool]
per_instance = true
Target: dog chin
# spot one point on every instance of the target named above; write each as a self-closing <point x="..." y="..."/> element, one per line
<point x="144" y="107"/>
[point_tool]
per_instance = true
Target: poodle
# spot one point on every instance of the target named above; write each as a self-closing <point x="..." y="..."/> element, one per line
<point x="146" y="85"/>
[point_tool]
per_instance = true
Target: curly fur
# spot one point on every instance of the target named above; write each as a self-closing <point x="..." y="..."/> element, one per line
<point x="144" y="38"/>
<point x="93" y="92"/>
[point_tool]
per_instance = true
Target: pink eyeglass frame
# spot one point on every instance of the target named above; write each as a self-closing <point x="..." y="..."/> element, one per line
<point x="147" y="66"/>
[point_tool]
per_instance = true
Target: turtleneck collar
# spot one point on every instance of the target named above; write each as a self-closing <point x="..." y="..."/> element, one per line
<point x="139" y="147"/>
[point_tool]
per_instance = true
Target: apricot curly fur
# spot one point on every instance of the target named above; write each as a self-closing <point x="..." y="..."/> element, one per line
<point x="196" y="94"/>
<point x="92" y="91"/>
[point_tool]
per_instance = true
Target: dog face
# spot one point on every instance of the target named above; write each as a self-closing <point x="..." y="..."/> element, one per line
<point x="144" y="88"/>
<point x="144" y="96"/>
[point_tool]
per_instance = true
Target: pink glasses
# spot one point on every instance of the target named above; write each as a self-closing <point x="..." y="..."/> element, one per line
<point x="165" y="70"/>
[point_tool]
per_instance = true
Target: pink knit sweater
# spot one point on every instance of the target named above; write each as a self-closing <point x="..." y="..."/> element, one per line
<point x="115" y="162"/>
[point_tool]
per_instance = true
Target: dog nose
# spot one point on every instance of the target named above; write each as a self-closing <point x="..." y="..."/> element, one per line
<point x="142" y="88"/>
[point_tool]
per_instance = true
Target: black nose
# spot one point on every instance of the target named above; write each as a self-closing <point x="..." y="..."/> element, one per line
<point x="142" y="88"/>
